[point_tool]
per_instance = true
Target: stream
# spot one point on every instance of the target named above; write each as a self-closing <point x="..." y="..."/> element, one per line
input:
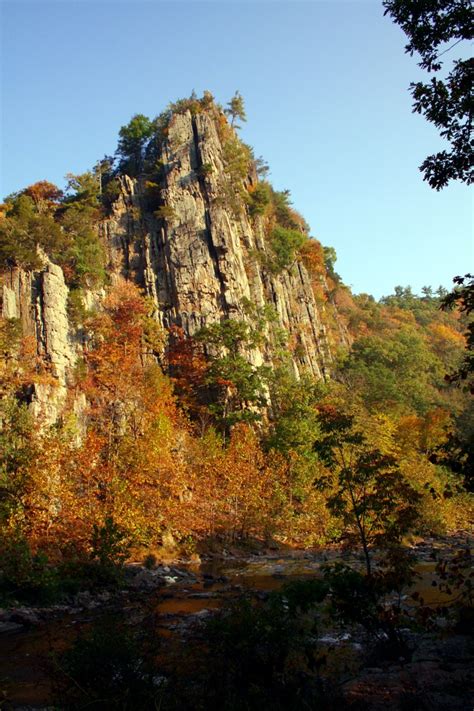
<point x="186" y="593"/>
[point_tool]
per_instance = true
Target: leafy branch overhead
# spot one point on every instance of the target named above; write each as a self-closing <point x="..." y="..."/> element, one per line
<point x="462" y="296"/>
<point x="434" y="28"/>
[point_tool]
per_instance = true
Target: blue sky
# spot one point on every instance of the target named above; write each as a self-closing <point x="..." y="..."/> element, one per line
<point x="325" y="86"/>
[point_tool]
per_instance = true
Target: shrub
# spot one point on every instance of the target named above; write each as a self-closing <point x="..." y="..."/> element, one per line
<point x="205" y="169"/>
<point x="285" y="244"/>
<point x="26" y="576"/>
<point x="108" y="667"/>
<point x="76" y="309"/>
<point x="110" y="193"/>
<point x="23" y="230"/>
<point x="109" y="544"/>
<point x="264" y="655"/>
<point x="150" y="561"/>
<point x="260" y="198"/>
<point x="370" y="601"/>
<point x="85" y="255"/>
<point x="166" y="213"/>
<point x="285" y="215"/>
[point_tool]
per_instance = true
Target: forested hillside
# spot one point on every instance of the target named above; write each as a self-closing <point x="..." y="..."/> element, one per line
<point x="182" y="365"/>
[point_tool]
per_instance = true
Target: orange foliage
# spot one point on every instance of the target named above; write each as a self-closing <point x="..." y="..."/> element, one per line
<point x="136" y="459"/>
<point x="44" y="194"/>
<point x="313" y="257"/>
<point x="114" y="352"/>
<point x="343" y="300"/>
<point x="425" y="434"/>
<point x="126" y="465"/>
<point x="188" y="369"/>
<point x="233" y="487"/>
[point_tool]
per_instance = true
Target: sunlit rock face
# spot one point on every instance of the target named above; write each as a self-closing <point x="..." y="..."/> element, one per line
<point x="203" y="261"/>
<point x="39" y="301"/>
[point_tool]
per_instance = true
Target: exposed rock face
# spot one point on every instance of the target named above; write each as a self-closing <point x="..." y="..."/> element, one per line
<point x="52" y="322"/>
<point x="39" y="301"/>
<point x="200" y="262"/>
<point x="17" y="298"/>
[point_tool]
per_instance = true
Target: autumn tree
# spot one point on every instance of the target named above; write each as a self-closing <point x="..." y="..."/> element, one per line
<point x="114" y="473"/>
<point x="114" y="349"/>
<point x="248" y="484"/>
<point x="188" y="369"/>
<point x="235" y="485"/>
<point x="44" y="194"/>
<point x="375" y="502"/>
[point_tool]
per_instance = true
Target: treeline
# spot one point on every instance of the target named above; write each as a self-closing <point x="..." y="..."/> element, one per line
<point x="183" y="457"/>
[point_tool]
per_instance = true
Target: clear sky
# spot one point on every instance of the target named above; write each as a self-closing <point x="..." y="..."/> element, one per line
<point x="325" y="86"/>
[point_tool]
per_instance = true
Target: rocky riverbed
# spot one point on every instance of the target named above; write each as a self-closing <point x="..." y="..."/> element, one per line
<point x="178" y="597"/>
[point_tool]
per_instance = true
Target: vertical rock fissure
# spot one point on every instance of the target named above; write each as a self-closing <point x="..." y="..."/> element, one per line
<point x="171" y="289"/>
<point x="207" y="217"/>
<point x="38" y="300"/>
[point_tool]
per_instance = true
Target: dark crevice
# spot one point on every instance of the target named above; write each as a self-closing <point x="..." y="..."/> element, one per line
<point x="38" y="300"/>
<point x="172" y="292"/>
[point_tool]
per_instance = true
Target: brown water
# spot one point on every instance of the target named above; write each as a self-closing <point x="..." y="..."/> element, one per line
<point x="25" y="657"/>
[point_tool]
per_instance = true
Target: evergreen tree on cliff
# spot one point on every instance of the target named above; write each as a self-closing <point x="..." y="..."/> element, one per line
<point x="236" y="109"/>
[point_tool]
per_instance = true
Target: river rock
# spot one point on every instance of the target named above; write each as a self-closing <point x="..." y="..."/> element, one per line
<point x="25" y="616"/>
<point x="146" y="579"/>
<point x="8" y="626"/>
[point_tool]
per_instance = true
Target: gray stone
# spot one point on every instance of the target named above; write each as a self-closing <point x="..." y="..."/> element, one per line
<point x="83" y="599"/>
<point x="10" y="627"/>
<point x="25" y="616"/>
<point x="147" y="579"/>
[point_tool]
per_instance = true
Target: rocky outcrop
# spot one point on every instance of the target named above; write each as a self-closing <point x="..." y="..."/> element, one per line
<point x="202" y="261"/>
<point x="39" y="300"/>
<point x="51" y="320"/>
<point x="17" y="298"/>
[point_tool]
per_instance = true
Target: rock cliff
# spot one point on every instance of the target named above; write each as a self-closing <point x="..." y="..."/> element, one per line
<point x="203" y="261"/>
<point x="188" y="238"/>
